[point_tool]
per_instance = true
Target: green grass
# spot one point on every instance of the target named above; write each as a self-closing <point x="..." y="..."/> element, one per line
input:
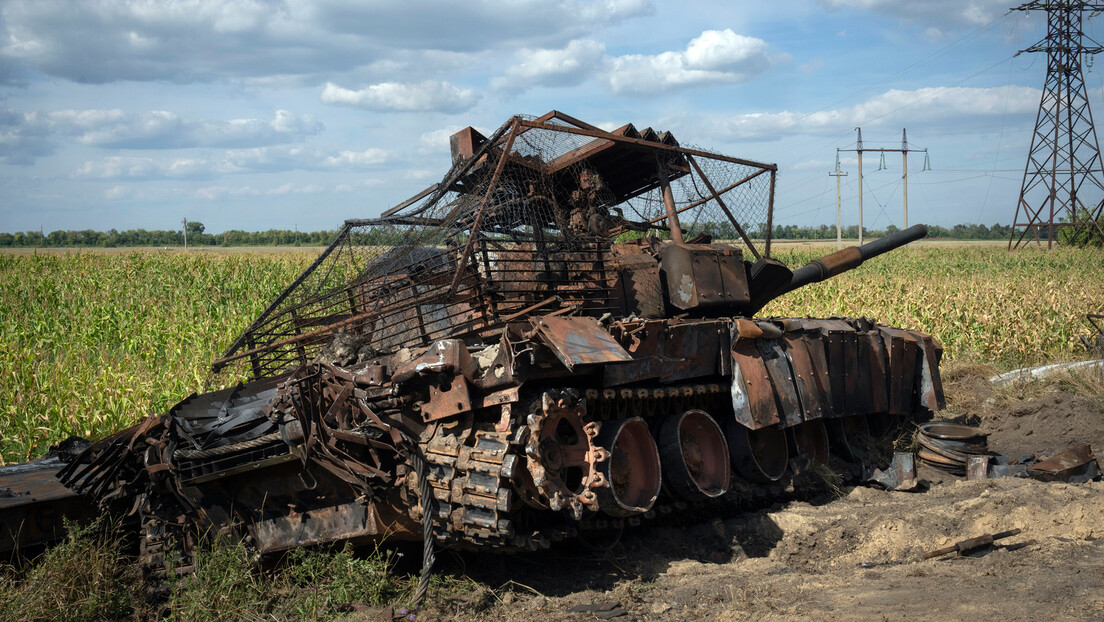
<point x="92" y="342"/>
<point x="85" y="577"/>
<point x="88" y="577"/>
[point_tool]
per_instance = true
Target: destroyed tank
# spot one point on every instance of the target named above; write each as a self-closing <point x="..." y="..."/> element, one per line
<point x="560" y="336"/>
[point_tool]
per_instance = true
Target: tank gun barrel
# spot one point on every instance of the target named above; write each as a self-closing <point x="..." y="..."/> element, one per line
<point x="853" y="257"/>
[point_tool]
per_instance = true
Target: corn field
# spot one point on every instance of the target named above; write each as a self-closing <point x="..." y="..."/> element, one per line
<point x="92" y="342"/>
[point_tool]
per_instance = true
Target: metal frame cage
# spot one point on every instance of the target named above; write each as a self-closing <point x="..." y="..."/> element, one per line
<point x="526" y="221"/>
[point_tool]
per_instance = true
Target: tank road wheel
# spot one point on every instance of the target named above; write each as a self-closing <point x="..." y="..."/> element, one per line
<point x="694" y="455"/>
<point x="758" y="455"/>
<point x="811" y="439"/>
<point x="632" y="470"/>
<point x="561" y="453"/>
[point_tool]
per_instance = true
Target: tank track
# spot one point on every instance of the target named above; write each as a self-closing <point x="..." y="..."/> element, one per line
<point x="484" y="492"/>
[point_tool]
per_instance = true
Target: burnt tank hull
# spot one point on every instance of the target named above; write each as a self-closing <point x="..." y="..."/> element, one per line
<point x="507" y="359"/>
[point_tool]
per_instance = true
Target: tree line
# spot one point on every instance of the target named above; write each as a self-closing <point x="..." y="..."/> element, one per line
<point x="284" y="237"/>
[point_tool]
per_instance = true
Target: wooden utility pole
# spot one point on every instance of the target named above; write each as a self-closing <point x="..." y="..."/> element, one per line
<point x="185" y="223"/>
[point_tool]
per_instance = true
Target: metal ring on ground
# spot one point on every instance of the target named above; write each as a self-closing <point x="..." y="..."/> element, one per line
<point x="758" y="455"/>
<point x="952" y="431"/>
<point x="632" y="470"/>
<point x="694" y="455"/>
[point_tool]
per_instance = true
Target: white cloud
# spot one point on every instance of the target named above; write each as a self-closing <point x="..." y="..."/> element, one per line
<point x="215" y="193"/>
<point x="475" y="25"/>
<point x="23" y="138"/>
<point x="145" y="168"/>
<point x="101" y="41"/>
<point x="715" y="56"/>
<point x="117" y="192"/>
<point x="425" y="96"/>
<point x="437" y="141"/>
<point x="567" y="66"/>
<point x="161" y="129"/>
<point x="356" y="159"/>
<point x="927" y="105"/>
<point x="26" y="136"/>
<point x="274" y="159"/>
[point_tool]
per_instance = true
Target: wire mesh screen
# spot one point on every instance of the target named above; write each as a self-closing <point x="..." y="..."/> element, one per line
<point x="527" y="220"/>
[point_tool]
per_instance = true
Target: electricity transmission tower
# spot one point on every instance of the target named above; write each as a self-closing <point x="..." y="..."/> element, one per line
<point x="1063" y="184"/>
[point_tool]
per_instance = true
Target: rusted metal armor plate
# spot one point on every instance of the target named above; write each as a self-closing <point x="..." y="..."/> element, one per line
<point x="752" y="391"/>
<point x="580" y="341"/>
<point x="806" y="376"/>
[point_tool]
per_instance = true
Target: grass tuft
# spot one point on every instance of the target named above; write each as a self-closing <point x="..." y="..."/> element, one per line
<point x="85" y="577"/>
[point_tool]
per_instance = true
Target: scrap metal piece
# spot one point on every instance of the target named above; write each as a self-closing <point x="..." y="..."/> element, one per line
<point x="901" y="474"/>
<point x="580" y="341"/>
<point x="948" y="446"/>
<point x="1075" y="465"/>
<point x="969" y="545"/>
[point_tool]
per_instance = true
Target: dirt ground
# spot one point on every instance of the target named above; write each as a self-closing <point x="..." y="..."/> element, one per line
<point x="851" y="555"/>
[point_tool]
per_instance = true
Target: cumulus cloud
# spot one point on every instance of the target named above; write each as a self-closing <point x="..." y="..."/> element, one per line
<point x="921" y="106"/>
<point x="23" y="138"/>
<point x="274" y="159"/>
<point x="425" y="96"/>
<point x="99" y="41"/>
<point x="477" y="25"/>
<point x="214" y="193"/>
<point x="26" y="136"/>
<point x="715" y="56"/>
<point x="567" y="66"/>
<point x="116" y="167"/>
<point x="161" y="129"/>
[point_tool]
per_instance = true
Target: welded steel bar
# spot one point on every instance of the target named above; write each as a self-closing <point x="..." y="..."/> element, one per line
<point x="770" y="213"/>
<point x="645" y="143"/>
<point x="669" y="201"/>
<point x="720" y="202"/>
<point x="707" y="199"/>
<point x="474" y="233"/>
<point x="341" y="237"/>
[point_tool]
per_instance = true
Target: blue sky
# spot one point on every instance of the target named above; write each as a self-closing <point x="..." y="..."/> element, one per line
<point x="253" y="114"/>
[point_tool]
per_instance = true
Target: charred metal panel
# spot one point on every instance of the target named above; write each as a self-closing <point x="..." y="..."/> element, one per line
<point x="931" y="385"/>
<point x="316" y="526"/>
<point x="638" y="286"/>
<point x="753" y="396"/>
<point x="33" y="503"/>
<point x="806" y="376"/>
<point x="778" y="368"/>
<point x="879" y="377"/>
<point x="693" y="350"/>
<point x="700" y="277"/>
<point x="580" y="341"/>
<point x="860" y="388"/>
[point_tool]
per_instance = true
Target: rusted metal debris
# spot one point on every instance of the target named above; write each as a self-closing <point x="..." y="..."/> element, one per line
<point x="949" y="446"/>
<point x="977" y="544"/>
<point x="520" y="354"/>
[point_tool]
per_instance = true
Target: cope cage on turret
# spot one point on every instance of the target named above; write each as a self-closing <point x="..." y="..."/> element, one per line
<point x="523" y="222"/>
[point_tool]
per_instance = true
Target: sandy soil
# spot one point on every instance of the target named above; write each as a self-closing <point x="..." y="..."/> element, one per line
<point x="852" y="555"/>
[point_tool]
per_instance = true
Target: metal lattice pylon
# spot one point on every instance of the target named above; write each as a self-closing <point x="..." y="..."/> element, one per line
<point x="1063" y="184"/>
